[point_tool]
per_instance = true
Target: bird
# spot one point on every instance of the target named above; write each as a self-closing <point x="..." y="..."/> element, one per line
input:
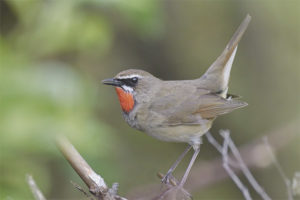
<point x="179" y="110"/>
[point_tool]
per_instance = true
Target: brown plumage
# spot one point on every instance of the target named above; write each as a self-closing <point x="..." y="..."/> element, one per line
<point x="180" y="111"/>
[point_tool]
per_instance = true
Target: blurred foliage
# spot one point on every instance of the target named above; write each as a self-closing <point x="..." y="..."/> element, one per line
<point x="54" y="54"/>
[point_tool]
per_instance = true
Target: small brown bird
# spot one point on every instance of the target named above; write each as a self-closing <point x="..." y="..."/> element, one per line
<point x="179" y="111"/>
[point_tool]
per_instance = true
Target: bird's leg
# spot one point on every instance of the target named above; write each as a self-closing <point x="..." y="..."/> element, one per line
<point x="167" y="177"/>
<point x="188" y="169"/>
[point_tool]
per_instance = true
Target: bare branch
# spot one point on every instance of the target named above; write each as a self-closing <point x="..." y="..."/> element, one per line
<point x="78" y="187"/>
<point x="38" y="195"/>
<point x="296" y="184"/>
<point x="279" y="168"/>
<point x="214" y="142"/>
<point x="94" y="181"/>
<point x="210" y="172"/>
<point x="244" y="167"/>
<point x="230" y="172"/>
<point x="219" y="147"/>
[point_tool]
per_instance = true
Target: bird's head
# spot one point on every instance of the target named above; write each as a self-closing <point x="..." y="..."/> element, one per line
<point x="132" y="86"/>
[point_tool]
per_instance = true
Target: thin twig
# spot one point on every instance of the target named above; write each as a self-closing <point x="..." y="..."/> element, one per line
<point x="279" y="168"/>
<point x="219" y="148"/>
<point x="296" y="184"/>
<point x="211" y="172"/>
<point x="38" y="195"/>
<point x="230" y="172"/>
<point x="78" y="187"/>
<point x="214" y="142"/>
<point x="245" y="169"/>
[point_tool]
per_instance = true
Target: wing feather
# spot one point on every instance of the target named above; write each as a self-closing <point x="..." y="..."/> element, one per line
<point x="216" y="106"/>
<point x="193" y="108"/>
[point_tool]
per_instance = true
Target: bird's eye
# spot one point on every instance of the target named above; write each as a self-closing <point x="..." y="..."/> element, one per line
<point x="134" y="79"/>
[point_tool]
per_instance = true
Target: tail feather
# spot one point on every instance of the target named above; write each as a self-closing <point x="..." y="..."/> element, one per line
<point x="216" y="78"/>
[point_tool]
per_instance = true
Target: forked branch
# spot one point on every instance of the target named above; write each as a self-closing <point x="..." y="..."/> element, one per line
<point x="228" y="169"/>
<point x="228" y="144"/>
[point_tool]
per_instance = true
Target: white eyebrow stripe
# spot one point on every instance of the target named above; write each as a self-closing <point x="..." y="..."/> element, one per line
<point x="130" y="76"/>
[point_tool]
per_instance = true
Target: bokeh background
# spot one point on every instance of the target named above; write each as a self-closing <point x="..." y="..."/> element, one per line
<point x="54" y="55"/>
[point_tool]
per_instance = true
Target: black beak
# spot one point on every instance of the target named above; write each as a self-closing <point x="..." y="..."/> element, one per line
<point x="112" y="81"/>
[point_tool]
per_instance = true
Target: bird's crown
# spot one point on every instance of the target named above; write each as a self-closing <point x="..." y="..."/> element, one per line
<point x="131" y="73"/>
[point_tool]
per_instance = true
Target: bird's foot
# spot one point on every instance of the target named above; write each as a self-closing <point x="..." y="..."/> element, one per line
<point x="168" y="178"/>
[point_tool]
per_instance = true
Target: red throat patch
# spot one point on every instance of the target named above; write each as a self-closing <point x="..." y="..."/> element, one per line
<point x="126" y="99"/>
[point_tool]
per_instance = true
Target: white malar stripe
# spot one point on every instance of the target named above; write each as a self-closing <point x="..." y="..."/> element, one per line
<point x="127" y="88"/>
<point x="129" y="76"/>
<point x="227" y="68"/>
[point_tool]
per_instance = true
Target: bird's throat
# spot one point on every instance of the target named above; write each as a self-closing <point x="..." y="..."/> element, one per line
<point x="126" y="99"/>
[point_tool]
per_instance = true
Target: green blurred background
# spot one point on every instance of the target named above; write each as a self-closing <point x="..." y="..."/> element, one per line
<point x="54" y="55"/>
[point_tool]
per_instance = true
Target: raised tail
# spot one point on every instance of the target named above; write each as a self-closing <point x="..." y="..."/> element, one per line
<point x="216" y="78"/>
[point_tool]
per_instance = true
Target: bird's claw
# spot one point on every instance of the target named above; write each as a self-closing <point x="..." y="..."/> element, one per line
<point x="166" y="179"/>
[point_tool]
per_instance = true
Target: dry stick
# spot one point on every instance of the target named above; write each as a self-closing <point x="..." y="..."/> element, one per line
<point x="207" y="173"/>
<point x="214" y="142"/>
<point x="78" y="187"/>
<point x="226" y="136"/>
<point x="296" y="184"/>
<point x="94" y="181"/>
<point x="245" y="169"/>
<point x="230" y="172"/>
<point x="279" y="168"/>
<point x="38" y="195"/>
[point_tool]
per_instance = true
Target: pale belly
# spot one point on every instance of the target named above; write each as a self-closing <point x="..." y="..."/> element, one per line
<point x="170" y="133"/>
<point x="189" y="134"/>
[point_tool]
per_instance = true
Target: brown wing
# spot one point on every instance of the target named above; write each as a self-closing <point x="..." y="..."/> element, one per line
<point x="213" y="106"/>
<point x="191" y="108"/>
